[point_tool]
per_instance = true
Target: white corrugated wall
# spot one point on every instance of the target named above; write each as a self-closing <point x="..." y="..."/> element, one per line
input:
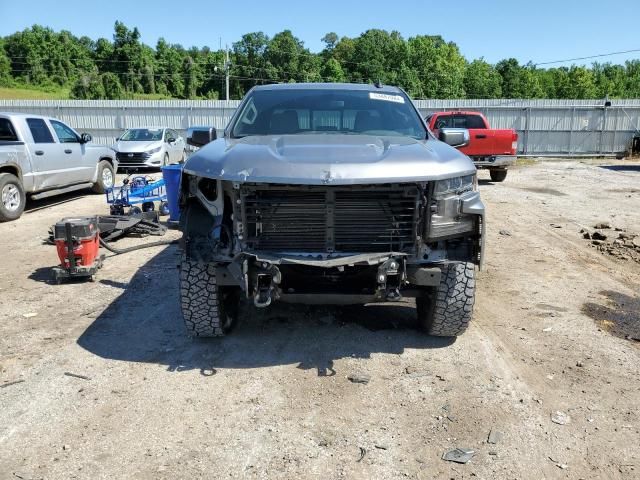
<point x="544" y="126"/>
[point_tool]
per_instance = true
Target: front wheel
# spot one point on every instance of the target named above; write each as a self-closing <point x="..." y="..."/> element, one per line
<point x="446" y="311"/>
<point x="12" y="197"/>
<point x="209" y="310"/>
<point x="106" y="177"/>
<point x="498" y="175"/>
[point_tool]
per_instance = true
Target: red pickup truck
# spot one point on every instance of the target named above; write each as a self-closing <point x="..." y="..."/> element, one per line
<point x="488" y="148"/>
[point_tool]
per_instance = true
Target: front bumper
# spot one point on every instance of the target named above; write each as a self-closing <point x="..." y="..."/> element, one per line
<point x="341" y="280"/>
<point x="496" y="161"/>
<point x="139" y="159"/>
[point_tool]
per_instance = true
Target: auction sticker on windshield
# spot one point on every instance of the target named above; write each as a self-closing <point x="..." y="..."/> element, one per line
<point x="386" y="97"/>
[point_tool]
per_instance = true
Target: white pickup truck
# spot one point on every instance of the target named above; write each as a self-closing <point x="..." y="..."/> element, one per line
<point x="42" y="157"/>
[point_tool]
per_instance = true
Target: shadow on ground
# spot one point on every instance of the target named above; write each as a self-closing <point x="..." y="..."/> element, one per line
<point x="484" y="181"/>
<point x="36" y="205"/>
<point x="620" y="315"/>
<point x="144" y="324"/>
<point x="622" y="168"/>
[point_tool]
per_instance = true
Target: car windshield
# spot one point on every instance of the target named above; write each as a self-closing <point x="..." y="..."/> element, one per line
<point x="329" y="111"/>
<point x="142" y="135"/>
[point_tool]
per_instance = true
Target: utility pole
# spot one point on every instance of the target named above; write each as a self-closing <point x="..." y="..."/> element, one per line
<point x="227" y="65"/>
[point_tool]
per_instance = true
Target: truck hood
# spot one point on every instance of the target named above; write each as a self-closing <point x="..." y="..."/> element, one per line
<point x="317" y="159"/>
<point x="126" y="147"/>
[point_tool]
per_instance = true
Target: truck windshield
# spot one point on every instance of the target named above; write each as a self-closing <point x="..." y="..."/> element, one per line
<point x="329" y="111"/>
<point x="142" y="135"/>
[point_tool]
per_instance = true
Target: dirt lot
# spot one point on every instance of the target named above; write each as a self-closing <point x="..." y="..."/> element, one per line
<point x="556" y="328"/>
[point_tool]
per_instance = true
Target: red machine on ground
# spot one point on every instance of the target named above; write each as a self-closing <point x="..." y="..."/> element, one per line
<point x="77" y="241"/>
<point x="488" y="148"/>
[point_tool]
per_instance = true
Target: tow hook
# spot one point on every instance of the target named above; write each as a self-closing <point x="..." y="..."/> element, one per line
<point x="391" y="275"/>
<point x="394" y="295"/>
<point x="266" y="281"/>
<point x="264" y="289"/>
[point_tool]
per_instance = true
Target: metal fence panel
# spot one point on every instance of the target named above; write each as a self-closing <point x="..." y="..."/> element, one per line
<point x="545" y="127"/>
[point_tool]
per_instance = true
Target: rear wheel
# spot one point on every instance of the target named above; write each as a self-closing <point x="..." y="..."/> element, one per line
<point x="12" y="197"/>
<point x="446" y="311"/>
<point x="106" y="177"/>
<point x="498" y="175"/>
<point x="165" y="160"/>
<point x="209" y="310"/>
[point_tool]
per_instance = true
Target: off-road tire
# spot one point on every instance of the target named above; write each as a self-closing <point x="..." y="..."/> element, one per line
<point x="13" y="186"/>
<point x="99" y="186"/>
<point x="208" y="309"/>
<point x="498" y="175"/>
<point x="447" y="310"/>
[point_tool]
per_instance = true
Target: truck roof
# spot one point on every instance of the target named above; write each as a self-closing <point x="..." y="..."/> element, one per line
<point x="21" y="115"/>
<point x="330" y="86"/>
<point x="149" y="127"/>
<point x="457" y="112"/>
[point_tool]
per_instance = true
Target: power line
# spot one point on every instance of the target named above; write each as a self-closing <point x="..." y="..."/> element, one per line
<point x="588" y="57"/>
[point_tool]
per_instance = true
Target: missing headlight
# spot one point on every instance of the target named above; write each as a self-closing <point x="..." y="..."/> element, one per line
<point x="208" y="188"/>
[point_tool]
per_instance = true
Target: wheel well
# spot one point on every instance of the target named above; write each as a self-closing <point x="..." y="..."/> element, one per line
<point x="108" y="159"/>
<point x="10" y="169"/>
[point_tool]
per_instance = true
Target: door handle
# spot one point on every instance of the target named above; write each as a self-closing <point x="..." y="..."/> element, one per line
<point x="39" y="152"/>
<point x="68" y="151"/>
<point x="481" y="136"/>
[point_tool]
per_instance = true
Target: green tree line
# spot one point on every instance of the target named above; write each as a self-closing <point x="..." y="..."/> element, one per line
<point x="425" y="66"/>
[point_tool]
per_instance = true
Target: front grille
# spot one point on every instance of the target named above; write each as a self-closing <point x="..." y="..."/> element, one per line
<point x="330" y="219"/>
<point x="132" y="157"/>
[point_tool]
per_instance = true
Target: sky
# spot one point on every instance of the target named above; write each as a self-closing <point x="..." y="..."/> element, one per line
<point x="536" y="30"/>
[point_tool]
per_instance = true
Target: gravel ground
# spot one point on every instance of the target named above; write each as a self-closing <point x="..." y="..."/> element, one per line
<point x="98" y="380"/>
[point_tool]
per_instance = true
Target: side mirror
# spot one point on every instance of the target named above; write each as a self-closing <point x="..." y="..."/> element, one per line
<point x="171" y="140"/>
<point x="200" y="136"/>
<point x="117" y="139"/>
<point x="456" y="137"/>
<point x="85" y="138"/>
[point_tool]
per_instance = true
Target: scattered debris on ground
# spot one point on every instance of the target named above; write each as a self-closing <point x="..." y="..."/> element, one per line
<point x="560" y="418"/>
<point x="494" y="437"/>
<point x="75" y="375"/>
<point x="619" y="243"/>
<point x="458" y="455"/>
<point x="359" y="378"/>
<point x="363" y="452"/>
<point x="8" y="384"/>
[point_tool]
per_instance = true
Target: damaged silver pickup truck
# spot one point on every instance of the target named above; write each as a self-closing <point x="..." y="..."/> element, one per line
<point x="329" y="194"/>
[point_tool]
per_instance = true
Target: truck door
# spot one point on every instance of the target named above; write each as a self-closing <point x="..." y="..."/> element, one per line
<point x="47" y="158"/>
<point x="79" y="168"/>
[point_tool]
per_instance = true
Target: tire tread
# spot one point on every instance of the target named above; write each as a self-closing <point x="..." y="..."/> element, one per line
<point x="449" y="310"/>
<point x="200" y="300"/>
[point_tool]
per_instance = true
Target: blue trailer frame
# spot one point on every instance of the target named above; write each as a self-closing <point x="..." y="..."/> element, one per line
<point x="138" y="190"/>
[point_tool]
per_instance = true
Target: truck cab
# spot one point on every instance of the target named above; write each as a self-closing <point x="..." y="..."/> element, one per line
<point x="491" y="149"/>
